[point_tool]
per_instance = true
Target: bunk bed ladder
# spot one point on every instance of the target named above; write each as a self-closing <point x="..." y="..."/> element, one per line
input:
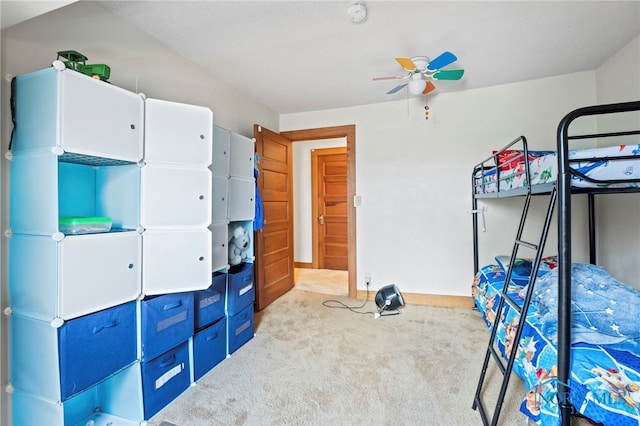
<point x="492" y="352"/>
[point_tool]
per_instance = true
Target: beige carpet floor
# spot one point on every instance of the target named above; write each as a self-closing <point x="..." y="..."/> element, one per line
<point x="325" y="281"/>
<point x="313" y="365"/>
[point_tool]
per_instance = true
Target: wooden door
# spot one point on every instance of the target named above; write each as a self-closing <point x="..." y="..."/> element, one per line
<point x="329" y="207"/>
<point x="274" y="243"/>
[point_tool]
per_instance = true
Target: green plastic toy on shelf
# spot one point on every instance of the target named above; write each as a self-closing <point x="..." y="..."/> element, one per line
<point x="77" y="61"/>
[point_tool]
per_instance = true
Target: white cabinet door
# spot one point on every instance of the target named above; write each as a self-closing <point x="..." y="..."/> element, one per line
<point x="176" y="261"/>
<point x="99" y="119"/>
<point x="219" y="247"/>
<point x="177" y="133"/>
<point x="220" y="160"/>
<point x="98" y="271"/>
<point x="241" y="199"/>
<point x="242" y="152"/>
<point x="175" y="197"/>
<point x="219" y="194"/>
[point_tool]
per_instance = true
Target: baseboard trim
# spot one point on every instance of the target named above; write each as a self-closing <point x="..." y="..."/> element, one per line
<point x="304" y="265"/>
<point x="429" y="299"/>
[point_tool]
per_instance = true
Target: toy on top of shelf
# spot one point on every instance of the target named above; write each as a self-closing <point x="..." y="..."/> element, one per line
<point x="76" y="61"/>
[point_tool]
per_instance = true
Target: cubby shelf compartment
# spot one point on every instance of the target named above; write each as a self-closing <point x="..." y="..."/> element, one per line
<point x="44" y="189"/>
<point x="114" y="401"/>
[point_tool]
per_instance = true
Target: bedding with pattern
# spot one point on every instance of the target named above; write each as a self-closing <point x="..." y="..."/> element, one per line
<point x="543" y="168"/>
<point x="605" y="353"/>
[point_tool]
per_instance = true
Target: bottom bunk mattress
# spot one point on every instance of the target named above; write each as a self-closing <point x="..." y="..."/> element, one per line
<point x="605" y="355"/>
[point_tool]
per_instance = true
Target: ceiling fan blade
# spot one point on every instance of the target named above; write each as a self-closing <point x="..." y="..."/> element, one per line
<point x="399" y="77"/>
<point x="442" y="61"/>
<point x="396" y="89"/>
<point x="406" y="63"/>
<point x="448" y="75"/>
<point x="430" y="87"/>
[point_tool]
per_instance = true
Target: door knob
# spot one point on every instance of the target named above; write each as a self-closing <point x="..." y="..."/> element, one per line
<point x="321" y="219"/>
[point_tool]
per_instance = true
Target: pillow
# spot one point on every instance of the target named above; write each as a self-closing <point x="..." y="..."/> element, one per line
<point x="511" y="158"/>
<point x="522" y="268"/>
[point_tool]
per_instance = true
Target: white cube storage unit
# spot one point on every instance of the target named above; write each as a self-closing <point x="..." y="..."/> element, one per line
<point x="241" y="199"/>
<point x="70" y="112"/>
<point x="73" y="276"/>
<point x="241" y="157"/>
<point x="57" y="360"/>
<point x="233" y="186"/>
<point x="175" y="197"/>
<point x="177" y="133"/>
<point x="221" y="151"/>
<point x="114" y="401"/>
<point x="175" y="261"/>
<point x="241" y="189"/>
<point x="45" y="187"/>
<point x="72" y="289"/>
<point x="109" y="324"/>
<point x="219" y="246"/>
<point x="219" y="198"/>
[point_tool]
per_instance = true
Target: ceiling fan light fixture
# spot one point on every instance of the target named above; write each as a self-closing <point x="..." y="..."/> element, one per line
<point x="417" y="84"/>
<point x="356" y="13"/>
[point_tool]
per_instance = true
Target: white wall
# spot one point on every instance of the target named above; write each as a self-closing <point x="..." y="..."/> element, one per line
<point x="618" y="80"/>
<point x="138" y="62"/>
<point x="302" y="214"/>
<point x="413" y="228"/>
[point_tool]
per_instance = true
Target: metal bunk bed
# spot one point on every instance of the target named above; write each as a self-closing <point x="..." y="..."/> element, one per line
<point x="559" y="191"/>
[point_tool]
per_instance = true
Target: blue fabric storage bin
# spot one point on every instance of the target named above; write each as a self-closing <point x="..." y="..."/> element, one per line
<point x="95" y="346"/>
<point x="164" y="378"/>
<point x="209" y="348"/>
<point x="167" y="320"/>
<point x="240" y="329"/>
<point x="209" y="303"/>
<point x="240" y="289"/>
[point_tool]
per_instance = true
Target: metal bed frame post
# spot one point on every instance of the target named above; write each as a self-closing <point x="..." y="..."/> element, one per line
<point x="564" y="241"/>
<point x="592" y="228"/>
<point x="474" y="220"/>
<point x="564" y="273"/>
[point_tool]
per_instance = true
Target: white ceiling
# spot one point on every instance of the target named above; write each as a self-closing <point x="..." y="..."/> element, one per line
<point x="296" y="56"/>
<point x="14" y="12"/>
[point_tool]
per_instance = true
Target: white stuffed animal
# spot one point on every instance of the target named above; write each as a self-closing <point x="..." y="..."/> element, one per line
<point x="238" y="246"/>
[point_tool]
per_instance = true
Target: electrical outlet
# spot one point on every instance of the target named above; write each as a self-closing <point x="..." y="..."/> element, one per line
<point x="367" y="278"/>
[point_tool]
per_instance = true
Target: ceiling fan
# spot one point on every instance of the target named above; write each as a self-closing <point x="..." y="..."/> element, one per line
<point x="421" y="70"/>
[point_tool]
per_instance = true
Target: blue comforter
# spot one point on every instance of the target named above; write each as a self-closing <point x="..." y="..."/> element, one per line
<point x="605" y="380"/>
<point x="604" y="310"/>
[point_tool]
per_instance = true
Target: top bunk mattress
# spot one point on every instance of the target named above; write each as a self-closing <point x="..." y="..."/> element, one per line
<point x="608" y="167"/>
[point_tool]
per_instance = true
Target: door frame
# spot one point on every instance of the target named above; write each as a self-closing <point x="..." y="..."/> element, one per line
<point x="349" y="133"/>
<point x="315" y="207"/>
